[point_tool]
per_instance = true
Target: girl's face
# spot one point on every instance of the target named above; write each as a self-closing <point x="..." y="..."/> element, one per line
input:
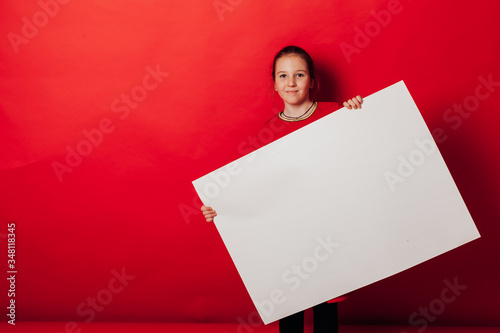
<point x="292" y="80"/>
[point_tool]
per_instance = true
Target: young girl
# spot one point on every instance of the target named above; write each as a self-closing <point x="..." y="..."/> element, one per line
<point x="294" y="78"/>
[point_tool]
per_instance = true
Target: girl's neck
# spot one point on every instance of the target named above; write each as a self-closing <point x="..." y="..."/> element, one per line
<point x="297" y="110"/>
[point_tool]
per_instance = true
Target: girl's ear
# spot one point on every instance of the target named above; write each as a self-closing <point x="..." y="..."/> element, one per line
<point x="312" y="84"/>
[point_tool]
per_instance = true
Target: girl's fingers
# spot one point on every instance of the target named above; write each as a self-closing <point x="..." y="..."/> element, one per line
<point x="211" y="217"/>
<point x="208" y="213"/>
<point x="354" y="103"/>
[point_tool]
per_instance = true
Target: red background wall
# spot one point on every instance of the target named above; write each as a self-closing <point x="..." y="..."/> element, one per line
<point x="128" y="205"/>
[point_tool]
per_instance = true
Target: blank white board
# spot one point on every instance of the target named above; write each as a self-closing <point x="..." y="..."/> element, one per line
<point x="348" y="200"/>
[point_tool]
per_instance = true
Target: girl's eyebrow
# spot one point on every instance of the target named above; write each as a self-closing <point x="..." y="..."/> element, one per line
<point x="300" y="70"/>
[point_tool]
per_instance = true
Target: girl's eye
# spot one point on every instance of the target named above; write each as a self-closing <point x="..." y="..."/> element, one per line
<point x="282" y="76"/>
<point x="300" y="75"/>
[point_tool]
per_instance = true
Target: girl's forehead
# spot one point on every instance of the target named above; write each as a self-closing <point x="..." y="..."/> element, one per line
<point x="291" y="60"/>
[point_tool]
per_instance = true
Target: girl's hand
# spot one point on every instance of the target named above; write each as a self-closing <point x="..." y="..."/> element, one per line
<point x="354" y="103"/>
<point x="209" y="213"/>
